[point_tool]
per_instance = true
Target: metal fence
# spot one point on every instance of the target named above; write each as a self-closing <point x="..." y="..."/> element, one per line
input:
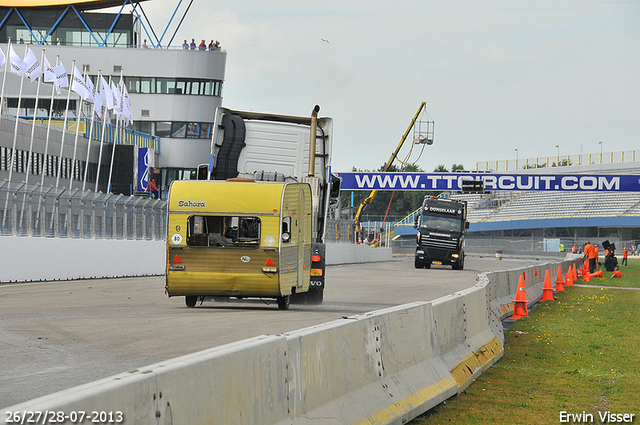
<point x="34" y="210"/>
<point x="558" y="161"/>
<point x="340" y="231"/>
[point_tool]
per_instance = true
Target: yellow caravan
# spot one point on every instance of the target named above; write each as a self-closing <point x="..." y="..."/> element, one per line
<point x="238" y="239"/>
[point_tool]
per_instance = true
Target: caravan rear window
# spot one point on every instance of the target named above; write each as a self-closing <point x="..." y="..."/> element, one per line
<point x="216" y="231"/>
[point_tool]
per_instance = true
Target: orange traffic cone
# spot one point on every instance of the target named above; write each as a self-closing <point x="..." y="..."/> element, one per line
<point x="536" y="272"/>
<point x="587" y="277"/>
<point x="520" y="309"/>
<point x="547" y="289"/>
<point x="575" y="273"/>
<point x="581" y="272"/>
<point x="559" y="281"/>
<point x="597" y="274"/>
<point x="617" y="273"/>
<point x="559" y="278"/>
<point x="569" y="280"/>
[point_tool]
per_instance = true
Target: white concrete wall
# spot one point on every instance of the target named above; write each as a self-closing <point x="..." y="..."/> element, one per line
<point x="349" y="253"/>
<point x="35" y="259"/>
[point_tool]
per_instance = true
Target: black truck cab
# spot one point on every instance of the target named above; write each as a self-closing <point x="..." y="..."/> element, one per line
<point x="441" y="226"/>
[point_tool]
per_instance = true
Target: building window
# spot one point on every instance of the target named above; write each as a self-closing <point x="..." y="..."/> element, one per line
<point x="163" y="129"/>
<point x="179" y="129"/>
<point x="189" y="130"/>
<point x="146" y="85"/>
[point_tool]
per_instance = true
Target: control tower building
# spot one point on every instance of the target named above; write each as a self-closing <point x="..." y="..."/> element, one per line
<point x="173" y="93"/>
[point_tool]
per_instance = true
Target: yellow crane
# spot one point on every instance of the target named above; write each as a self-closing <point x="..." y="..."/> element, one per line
<point x="372" y="195"/>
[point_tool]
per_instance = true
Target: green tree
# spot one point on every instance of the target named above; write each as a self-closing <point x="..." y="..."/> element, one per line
<point x="533" y="166"/>
<point x="563" y="163"/>
<point x="398" y="203"/>
<point x="457" y="167"/>
<point x="441" y="169"/>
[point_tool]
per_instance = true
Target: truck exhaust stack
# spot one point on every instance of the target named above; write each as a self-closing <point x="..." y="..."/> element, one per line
<point x="312" y="140"/>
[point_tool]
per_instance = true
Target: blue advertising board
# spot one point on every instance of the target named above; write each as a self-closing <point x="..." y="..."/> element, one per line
<point x="143" y="169"/>
<point x="453" y="181"/>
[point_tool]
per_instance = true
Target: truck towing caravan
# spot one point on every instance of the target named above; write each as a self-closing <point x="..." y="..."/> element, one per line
<point x="252" y="226"/>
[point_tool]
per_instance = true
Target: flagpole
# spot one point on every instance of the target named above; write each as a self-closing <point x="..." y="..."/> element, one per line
<point x="33" y="123"/>
<point x="46" y="143"/>
<point x="33" y="129"/>
<point x="13" y="149"/>
<point x="15" y="130"/>
<point x="45" y="166"/>
<point x="64" y="130"/>
<point x="4" y="78"/>
<point x="104" y="128"/>
<point x="117" y="134"/>
<point x="75" y="142"/>
<point x="12" y="157"/>
<point x="93" y="115"/>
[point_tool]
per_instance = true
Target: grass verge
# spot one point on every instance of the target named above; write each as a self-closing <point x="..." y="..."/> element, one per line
<point x="578" y="354"/>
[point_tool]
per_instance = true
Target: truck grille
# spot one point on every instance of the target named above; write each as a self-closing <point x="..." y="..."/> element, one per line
<point x="438" y="243"/>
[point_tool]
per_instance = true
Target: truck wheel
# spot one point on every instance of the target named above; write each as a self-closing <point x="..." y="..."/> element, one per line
<point x="422" y="264"/>
<point x="460" y="264"/>
<point x="190" y="300"/>
<point x="283" y="302"/>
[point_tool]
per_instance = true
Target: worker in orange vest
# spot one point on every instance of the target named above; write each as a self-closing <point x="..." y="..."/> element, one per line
<point x="625" y="253"/>
<point x="591" y="253"/>
<point x="574" y="249"/>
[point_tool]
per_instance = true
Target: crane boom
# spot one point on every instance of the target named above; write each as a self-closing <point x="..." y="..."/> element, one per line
<point x="373" y="193"/>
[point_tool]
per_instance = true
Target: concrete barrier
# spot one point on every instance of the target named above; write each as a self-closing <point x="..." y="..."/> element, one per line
<point x="338" y="253"/>
<point x="43" y="259"/>
<point x="368" y="368"/>
<point x="38" y="259"/>
<point x="383" y="367"/>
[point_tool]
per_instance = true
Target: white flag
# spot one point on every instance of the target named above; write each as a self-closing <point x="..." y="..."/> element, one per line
<point x="17" y="65"/>
<point x="62" y="79"/>
<point x="49" y="73"/>
<point x="116" y="99"/>
<point x="33" y="69"/>
<point x="95" y="94"/>
<point x="126" y="110"/>
<point x="3" y="59"/>
<point x="79" y="85"/>
<point x="105" y="92"/>
<point x="121" y="105"/>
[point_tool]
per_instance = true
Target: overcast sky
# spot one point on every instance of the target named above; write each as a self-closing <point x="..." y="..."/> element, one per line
<point x="497" y="76"/>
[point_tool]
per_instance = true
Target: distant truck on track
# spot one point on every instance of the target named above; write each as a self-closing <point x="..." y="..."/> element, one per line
<point x="441" y="224"/>
<point x="253" y="224"/>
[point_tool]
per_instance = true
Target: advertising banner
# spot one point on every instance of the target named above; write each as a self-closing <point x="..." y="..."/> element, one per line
<point x="453" y="181"/>
<point x="144" y="155"/>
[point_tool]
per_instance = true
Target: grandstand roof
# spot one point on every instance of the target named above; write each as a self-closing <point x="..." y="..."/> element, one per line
<point x="53" y="4"/>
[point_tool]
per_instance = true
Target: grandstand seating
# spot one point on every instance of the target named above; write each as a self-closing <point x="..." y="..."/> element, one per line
<point x="543" y="205"/>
